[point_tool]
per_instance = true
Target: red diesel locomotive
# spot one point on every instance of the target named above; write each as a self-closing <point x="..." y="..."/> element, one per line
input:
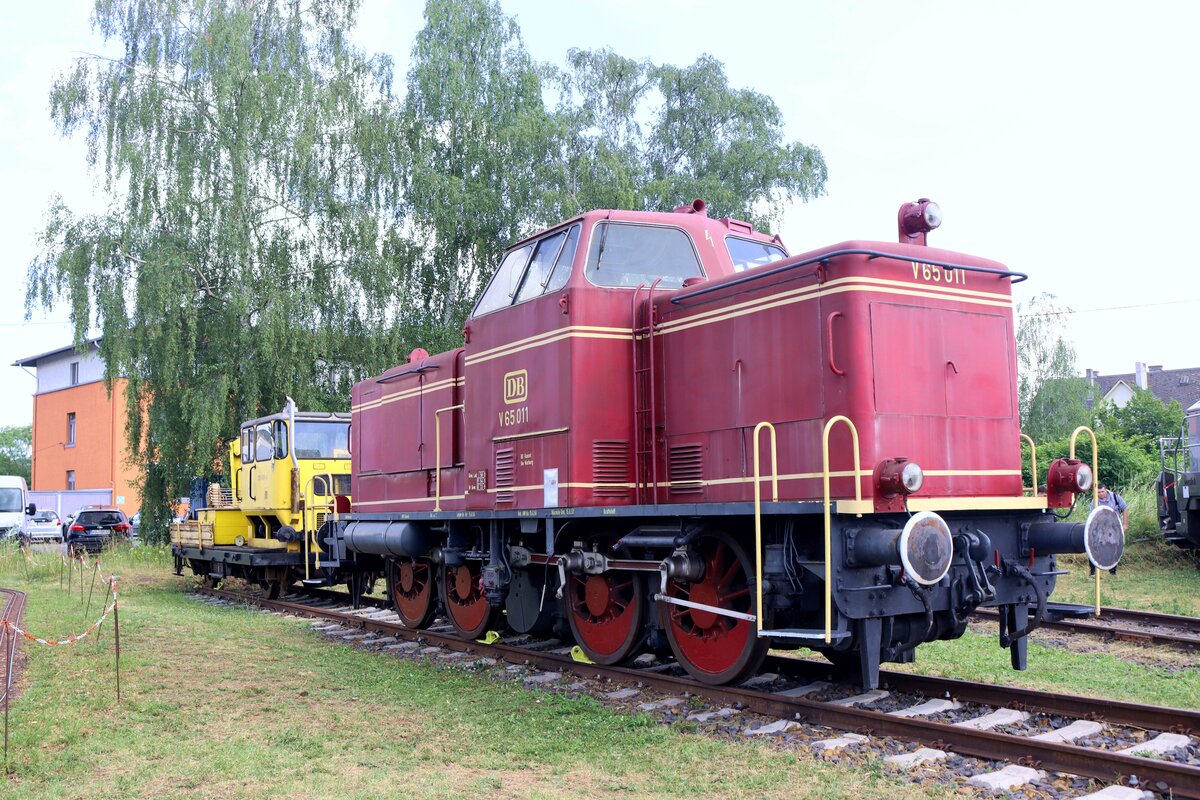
<point x="663" y="431"/>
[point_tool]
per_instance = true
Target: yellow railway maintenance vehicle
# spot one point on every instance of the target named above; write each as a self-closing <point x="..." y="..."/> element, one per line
<point x="290" y="475"/>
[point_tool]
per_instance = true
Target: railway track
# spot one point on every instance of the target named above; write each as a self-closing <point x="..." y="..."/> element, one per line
<point x="788" y="689"/>
<point x="11" y="609"/>
<point x="1127" y="625"/>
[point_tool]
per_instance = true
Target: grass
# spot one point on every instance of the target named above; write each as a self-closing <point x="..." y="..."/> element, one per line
<point x="220" y="702"/>
<point x="1154" y="575"/>
<point x="978" y="657"/>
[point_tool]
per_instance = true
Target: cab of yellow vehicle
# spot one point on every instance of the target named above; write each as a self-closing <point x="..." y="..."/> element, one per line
<point x="291" y="470"/>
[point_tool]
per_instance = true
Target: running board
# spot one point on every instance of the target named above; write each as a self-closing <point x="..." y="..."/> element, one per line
<point x="804" y="633"/>
<point x="724" y="612"/>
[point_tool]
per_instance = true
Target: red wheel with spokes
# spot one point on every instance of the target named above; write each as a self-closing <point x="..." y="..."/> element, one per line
<point x="410" y="585"/>
<point x="606" y="613"/>
<point x="466" y="604"/>
<point x="715" y="648"/>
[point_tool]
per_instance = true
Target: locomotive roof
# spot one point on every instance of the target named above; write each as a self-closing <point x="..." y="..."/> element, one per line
<point x="303" y="416"/>
<point x="684" y="217"/>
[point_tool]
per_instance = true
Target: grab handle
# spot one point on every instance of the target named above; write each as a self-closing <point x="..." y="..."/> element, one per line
<point x="829" y="335"/>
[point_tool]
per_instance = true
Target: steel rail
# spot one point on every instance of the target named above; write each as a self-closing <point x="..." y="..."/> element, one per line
<point x="1076" y="706"/>
<point x="1187" y="639"/>
<point x="14" y="607"/>
<point x="1181" y="779"/>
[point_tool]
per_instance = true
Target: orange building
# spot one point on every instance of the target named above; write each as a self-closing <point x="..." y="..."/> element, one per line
<point x="79" y="442"/>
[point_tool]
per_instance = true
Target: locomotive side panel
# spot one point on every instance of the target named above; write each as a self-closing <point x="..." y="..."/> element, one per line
<point x="414" y="405"/>
<point x="924" y="372"/>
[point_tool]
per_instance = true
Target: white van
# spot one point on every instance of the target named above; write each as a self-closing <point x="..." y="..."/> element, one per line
<point x="14" y="508"/>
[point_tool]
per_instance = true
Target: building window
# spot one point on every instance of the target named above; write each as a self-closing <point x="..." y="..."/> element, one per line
<point x="74" y="373"/>
<point x="71" y="429"/>
<point x="70" y="480"/>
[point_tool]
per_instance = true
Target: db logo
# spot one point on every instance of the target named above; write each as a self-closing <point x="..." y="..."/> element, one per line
<point x="516" y="387"/>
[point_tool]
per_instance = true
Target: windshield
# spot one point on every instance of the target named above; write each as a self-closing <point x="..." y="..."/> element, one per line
<point x="630" y="255"/>
<point x="10" y="500"/>
<point x="747" y="254"/>
<point x="322" y="440"/>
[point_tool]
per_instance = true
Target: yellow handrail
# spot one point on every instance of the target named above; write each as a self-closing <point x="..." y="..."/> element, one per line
<point x="437" y="467"/>
<point x="1032" y="465"/>
<point x="1095" y="487"/>
<point x="828" y="522"/>
<point x="310" y="533"/>
<point x="758" y="510"/>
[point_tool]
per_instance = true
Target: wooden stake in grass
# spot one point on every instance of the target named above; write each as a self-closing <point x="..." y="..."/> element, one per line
<point x="100" y="629"/>
<point x="117" y="633"/>
<point x="61" y="561"/>
<point x="95" y="569"/>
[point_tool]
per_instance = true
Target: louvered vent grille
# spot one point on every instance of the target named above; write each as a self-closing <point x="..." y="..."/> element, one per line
<point x="687" y="468"/>
<point x="610" y="469"/>
<point x="506" y="475"/>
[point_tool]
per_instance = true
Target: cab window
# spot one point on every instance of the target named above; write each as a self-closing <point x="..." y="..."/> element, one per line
<point x="264" y="442"/>
<point x="281" y="439"/>
<point x="1193" y="439"/>
<point x="247" y="450"/>
<point x="322" y="439"/>
<point x="748" y="254"/>
<point x="550" y="266"/>
<point x="624" y="254"/>
<point x="500" y="291"/>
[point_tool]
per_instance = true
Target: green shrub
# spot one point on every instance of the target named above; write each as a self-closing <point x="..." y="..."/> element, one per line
<point x="1121" y="463"/>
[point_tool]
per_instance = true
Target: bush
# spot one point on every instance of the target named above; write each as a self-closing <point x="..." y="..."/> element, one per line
<point x="1122" y="464"/>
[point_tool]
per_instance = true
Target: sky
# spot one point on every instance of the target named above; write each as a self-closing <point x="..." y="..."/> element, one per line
<point x="1058" y="138"/>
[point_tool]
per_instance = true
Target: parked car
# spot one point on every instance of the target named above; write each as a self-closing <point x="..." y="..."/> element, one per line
<point x="45" y="526"/>
<point x="14" y="511"/>
<point x="94" y="527"/>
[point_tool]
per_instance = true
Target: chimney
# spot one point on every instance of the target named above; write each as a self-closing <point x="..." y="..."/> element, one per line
<point x="1139" y="375"/>
<point x="1092" y="375"/>
<point x="1156" y="367"/>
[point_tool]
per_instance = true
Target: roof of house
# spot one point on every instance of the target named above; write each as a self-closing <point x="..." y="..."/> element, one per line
<point x="1165" y="384"/>
<point x="31" y="361"/>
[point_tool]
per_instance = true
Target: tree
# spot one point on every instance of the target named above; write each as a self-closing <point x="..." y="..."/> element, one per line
<point x="1052" y="400"/>
<point x="725" y="145"/>
<point x="16" y="445"/>
<point x="701" y="138"/>
<point x="1059" y="407"/>
<point x="247" y="152"/>
<point x="476" y="158"/>
<point x="1143" y="420"/>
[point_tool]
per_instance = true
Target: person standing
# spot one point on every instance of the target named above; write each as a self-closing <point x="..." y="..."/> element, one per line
<point x="1113" y="500"/>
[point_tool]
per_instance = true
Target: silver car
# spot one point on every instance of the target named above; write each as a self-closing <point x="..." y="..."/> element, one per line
<point x="45" y="526"/>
